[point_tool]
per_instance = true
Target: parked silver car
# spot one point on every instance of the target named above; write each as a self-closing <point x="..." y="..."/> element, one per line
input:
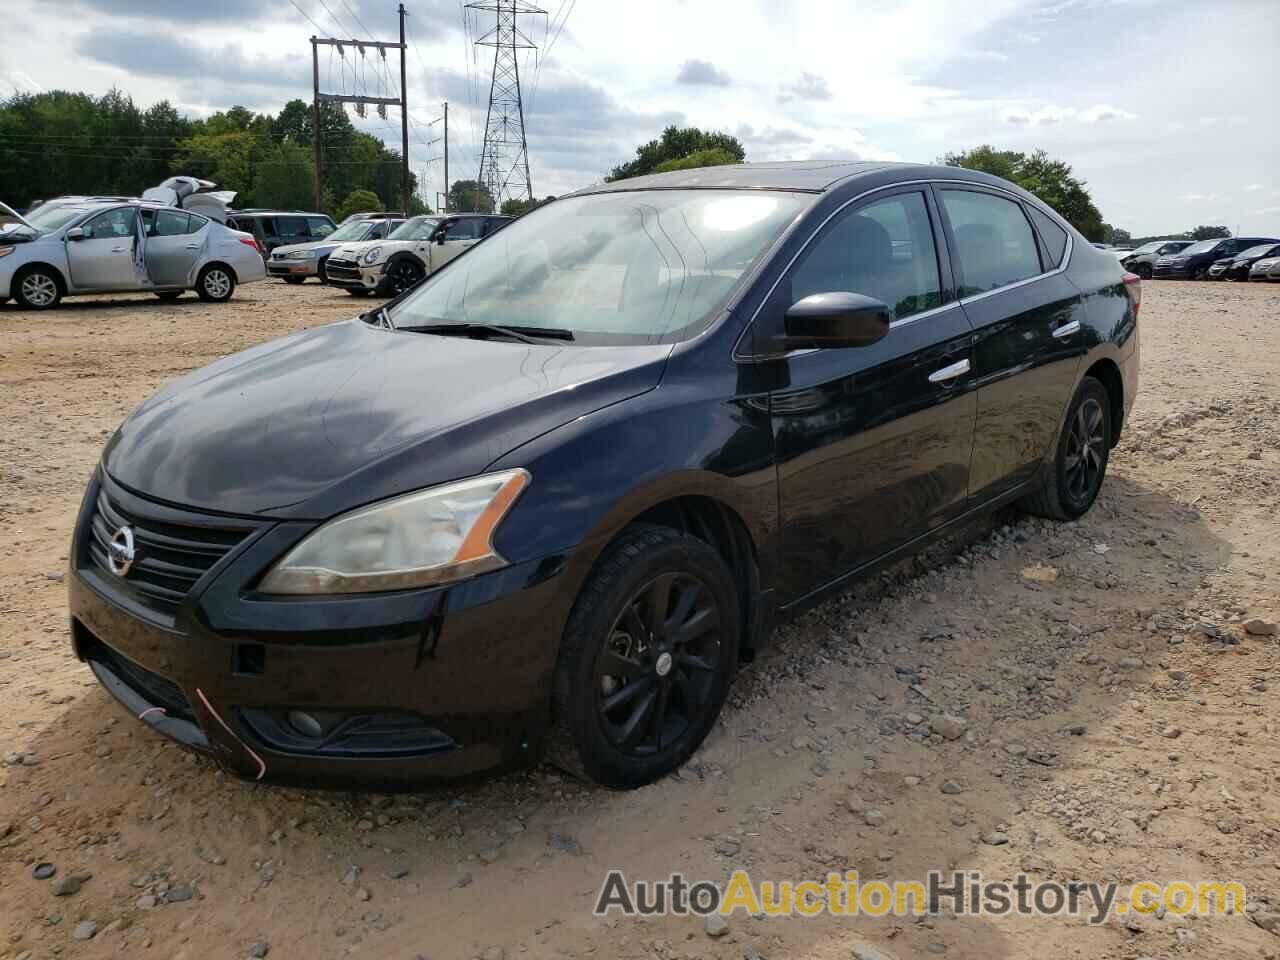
<point x="297" y="261"/>
<point x="78" y="245"/>
<point x="1268" y="268"/>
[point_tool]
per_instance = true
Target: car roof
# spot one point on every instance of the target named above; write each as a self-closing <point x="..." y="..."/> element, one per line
<point x="264" y="212"/>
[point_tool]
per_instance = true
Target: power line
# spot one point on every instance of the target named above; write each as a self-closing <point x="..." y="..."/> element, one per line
<point x="305" y="14"/>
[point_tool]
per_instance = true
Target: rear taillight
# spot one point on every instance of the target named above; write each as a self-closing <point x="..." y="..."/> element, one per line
<point x="251" y="242"/>
<point x="1133" y="287"/>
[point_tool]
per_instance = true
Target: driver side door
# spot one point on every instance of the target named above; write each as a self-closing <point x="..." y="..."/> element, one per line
<point x="453" y="236"/>
<point x="872" y="444"/>
<point x="103" y="259"/>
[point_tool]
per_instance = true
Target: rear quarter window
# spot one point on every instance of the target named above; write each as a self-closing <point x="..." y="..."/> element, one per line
<point x="1053" y="236"/>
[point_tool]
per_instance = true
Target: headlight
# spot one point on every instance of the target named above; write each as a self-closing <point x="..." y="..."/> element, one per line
<point x="371" y="256"/>
<point x="432" y="536"/>
<point x="301" y="254"/>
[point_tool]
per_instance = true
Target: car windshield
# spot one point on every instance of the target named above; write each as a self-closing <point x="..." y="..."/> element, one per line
<point x="1259" y="251"/>
<point x="627" y="267"/>
<point x="417" y="228"/>
<point x="355" y="230"/>
<point x="1151" y="247"/>
<point x="52" y="216"/>
<point x="1204" y="246"/>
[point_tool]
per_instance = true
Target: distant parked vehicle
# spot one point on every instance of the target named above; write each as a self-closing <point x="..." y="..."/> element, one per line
<point x="277" y="228"/>
<point x="75" y="246"/>
<point x="1194" y="262"/>
<point x="297" y="261"/>
<point x="414" y="250"/>
<point x="1238" y="267"/>
<point x="1142" y="260"/>
<point x="1267" y="268"/>
<point x="9" y="217"/>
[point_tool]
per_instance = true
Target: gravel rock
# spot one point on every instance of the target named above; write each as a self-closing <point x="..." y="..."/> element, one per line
<point x="948" y="726"/>
<point x="715" y="925"/>
<point x="1257" y="627"/>
<point x="85" y="930"/>
<point x="70" y="884"/>
<point x="951" y="788"/>
<point x="994" y="838"/>
<point x="43" y="871"/>
<point x="259" y="950"/>
<point x="564" y="843"/>
<point x="1171" y="732"/>
<point x="180" y="894"/>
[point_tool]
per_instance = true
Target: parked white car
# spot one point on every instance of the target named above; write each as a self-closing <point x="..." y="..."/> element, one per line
<point x="79" y="245"/>
<point x="415" y="249"/>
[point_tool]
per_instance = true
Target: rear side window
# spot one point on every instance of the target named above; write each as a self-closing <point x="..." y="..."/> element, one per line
<point x="994" y="243"/>
<point x="292" y="228"/>
<point x="319" y="227"/>
<point x="468" y="229"/>
<point x="1054" y="237"/>
<point x="172" y="223"/>
<point x="883" y="250"/>
<point x="494" y="225"/>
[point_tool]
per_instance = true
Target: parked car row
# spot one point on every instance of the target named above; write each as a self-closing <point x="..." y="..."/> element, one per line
<point x="1197" y="260"/>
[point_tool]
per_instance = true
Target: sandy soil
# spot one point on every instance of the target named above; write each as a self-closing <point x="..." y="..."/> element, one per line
<point x="824" y="758"/>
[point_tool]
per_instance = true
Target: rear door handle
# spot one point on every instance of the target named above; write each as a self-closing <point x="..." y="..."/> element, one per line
<point x="1067" y="329"/>
<point x="949" y="373"/>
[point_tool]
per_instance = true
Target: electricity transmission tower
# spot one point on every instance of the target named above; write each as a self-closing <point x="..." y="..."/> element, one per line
<point x="504" y="156"/>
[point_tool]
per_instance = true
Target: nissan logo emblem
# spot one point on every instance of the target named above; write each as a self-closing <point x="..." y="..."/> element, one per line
<point x="121" y="552"/>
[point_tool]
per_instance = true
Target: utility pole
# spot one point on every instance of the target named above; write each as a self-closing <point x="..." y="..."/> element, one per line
<point x="361" y="99"/>
<point x="504" y="156"/>
<point x="446" y="156"/>
<point x="315" y="116"/>
<point x="404" y="116"/>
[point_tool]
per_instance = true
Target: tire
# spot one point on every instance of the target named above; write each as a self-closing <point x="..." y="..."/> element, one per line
<point x="170" y="295"/>
<point x="1144" y="271"/>
<point x="215" y="284"/>
<point x="1075" y="480"/>
<point x="37" y="288"/>
<point x="293" y="280"/>
<point x="680" y="682"/>
<point x="401" y="275"/>
<point x="358" y="291"/>
<point x="322" y="270"/>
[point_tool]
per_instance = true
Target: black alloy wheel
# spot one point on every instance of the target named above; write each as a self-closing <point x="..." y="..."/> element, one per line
<point x="403" y="274"/>
<point x="647" y="658"/>
<point x="1080" y="464"/>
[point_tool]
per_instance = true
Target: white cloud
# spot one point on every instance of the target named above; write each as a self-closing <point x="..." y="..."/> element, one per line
<point x="1252" y="187"/>
<point x="1198" y="197"/>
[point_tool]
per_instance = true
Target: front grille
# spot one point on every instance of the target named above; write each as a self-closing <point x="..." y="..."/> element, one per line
<point x="169" y="556"/>
<point x="343" y="269"/>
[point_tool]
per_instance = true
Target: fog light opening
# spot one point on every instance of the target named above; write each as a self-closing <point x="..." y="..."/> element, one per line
<point x="305" y="724"/>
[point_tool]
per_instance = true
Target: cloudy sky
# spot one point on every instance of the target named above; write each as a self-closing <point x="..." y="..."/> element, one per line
<point x="1168" y="108"/>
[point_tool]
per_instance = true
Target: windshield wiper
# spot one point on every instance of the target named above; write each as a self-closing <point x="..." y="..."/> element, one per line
<point x="523" y="334"/>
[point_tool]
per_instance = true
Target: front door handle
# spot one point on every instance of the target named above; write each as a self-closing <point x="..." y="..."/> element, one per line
<point x="119" y="249"/>
<point x="949" y="373"/>
<point x="193" y="246"/>
<point x="1067" y="329"/>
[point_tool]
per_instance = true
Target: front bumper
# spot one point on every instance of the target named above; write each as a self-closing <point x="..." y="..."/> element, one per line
<point x="354" y="276"/>
<point x="412" y="687"/>
<point x="292" y="268"/>
<point x="1169" y="271"/>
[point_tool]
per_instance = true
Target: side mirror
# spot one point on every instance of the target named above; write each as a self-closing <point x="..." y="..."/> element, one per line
<point x="835" y="320"/>
<point x="75" y="233"/>
<point x="440" y="239"/>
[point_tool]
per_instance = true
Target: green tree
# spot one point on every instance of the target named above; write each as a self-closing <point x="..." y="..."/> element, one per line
<point x="518" y="208"/>
<point x="676" y="143"/>
<point x="467" y="196"/>
<point x="283" y="178"/>
<point x="715" y="157"/>
<point x="1208" y="233"/>
<point x="359" y="201"/>
<point x="1037" y="173"/>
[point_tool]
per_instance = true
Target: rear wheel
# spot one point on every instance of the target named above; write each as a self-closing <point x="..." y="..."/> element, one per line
<point x="37" y="288"/>
<point x="358" y="291"/>
<point x="293" y="280"/>
<point x="647" y="658"/>
<point x="1080" y="463"/>
<point x="215" y="284"/>
<point x="169" y="294"/>
<point x="1143" y="270"/>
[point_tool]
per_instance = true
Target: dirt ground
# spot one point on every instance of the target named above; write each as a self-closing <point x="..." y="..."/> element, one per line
<point x="1117" y="721"/>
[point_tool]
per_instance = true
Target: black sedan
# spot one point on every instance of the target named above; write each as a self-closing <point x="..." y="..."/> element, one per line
<point x="1238" y="267"/>
<point x="545" y="503"/>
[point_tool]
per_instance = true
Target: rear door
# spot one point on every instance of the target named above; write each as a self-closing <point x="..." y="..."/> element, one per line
<point x="175" y="240"/>
<point x="103" y="259"/>
<point x="873" y="443"/>
<point x="1028" y="324"/>
<point x="290" y="230"/>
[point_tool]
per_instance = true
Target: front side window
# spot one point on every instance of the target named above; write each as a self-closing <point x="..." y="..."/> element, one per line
<point x="616" y="267"/>
<point x="469" y="228"/>
<point x="884" y="250"/>
<point x="994" y="242"/>
<point x="113" y="223"/>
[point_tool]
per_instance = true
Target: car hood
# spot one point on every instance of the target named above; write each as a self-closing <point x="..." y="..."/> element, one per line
<point x="309" y="245"/>
<point x="357" y="247"/>
<point x="330" y="418"/>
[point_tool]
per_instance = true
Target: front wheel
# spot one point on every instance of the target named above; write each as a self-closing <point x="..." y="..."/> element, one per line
<point x="169" y="295"/>
<point x="647" y="658"/>
<point x="1144" y="271"/>
<point x="215" y="284"/>
<point x="292" y="280"/>
<point x="322" y="270"/>
<point x="402" y="275"/>
<point x="37" y="288"/>
<point x="358" y="291"/>
<point x="1080" y="462"/>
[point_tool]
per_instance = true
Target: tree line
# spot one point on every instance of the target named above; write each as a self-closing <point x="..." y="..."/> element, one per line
<point x="60" y="143"/>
